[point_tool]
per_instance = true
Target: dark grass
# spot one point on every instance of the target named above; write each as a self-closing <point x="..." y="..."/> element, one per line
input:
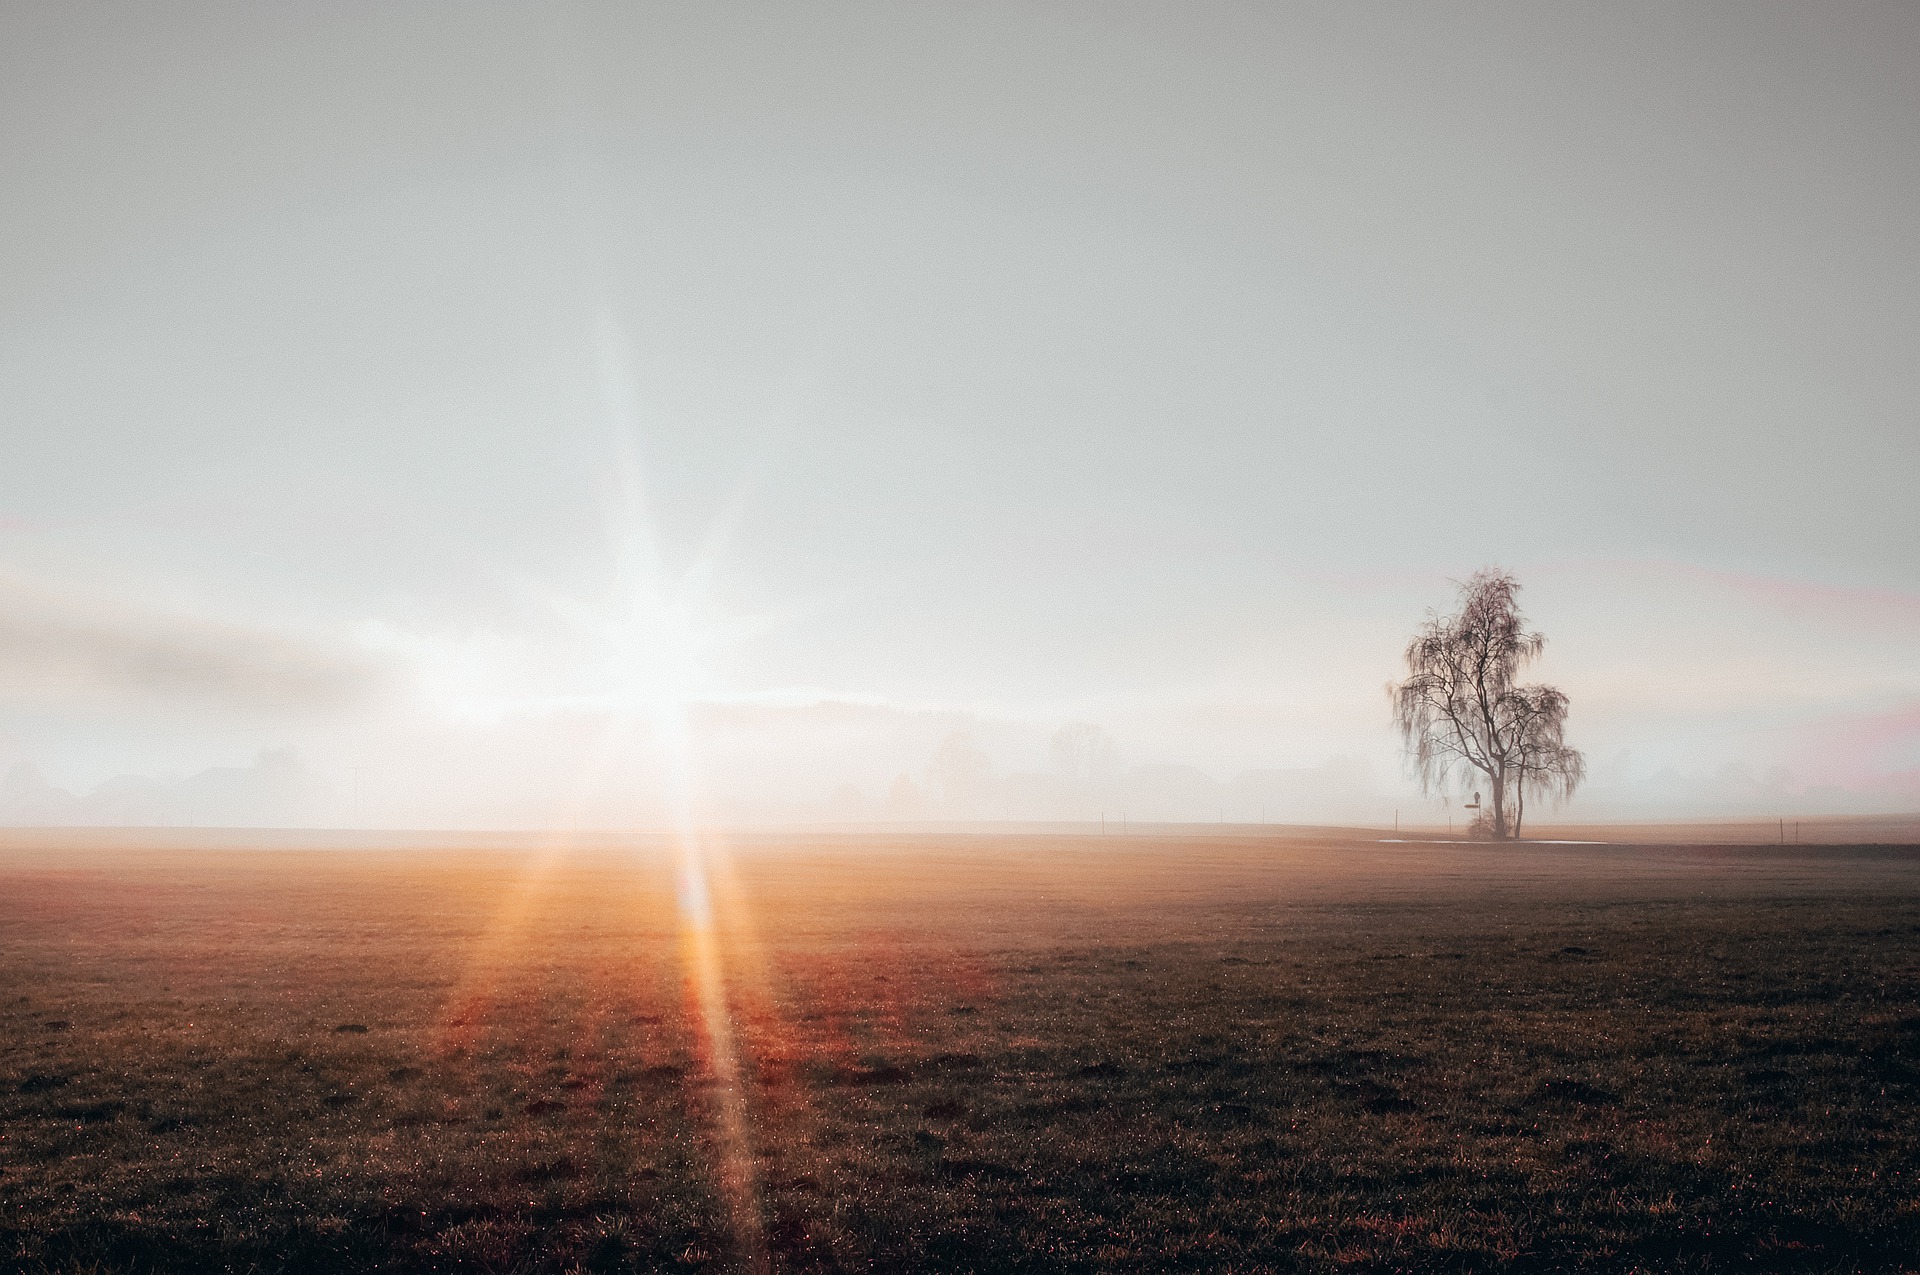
<point x="966" y="1055"/>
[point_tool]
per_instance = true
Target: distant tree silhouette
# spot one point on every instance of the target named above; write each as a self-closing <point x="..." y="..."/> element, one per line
<point x="1462" y="714"/>
<point x="904" y="800"/>
<point x="1081" y="750"/>
<point x="960" y="773"/>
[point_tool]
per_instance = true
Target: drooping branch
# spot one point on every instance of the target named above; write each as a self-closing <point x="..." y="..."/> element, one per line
<point x="1462" y="713"/>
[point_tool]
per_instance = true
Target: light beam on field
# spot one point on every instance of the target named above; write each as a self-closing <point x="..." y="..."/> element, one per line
<point x="657" y="649"/>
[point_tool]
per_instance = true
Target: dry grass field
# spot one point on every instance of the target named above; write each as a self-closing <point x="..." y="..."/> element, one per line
<point x="1233" y="1052"/>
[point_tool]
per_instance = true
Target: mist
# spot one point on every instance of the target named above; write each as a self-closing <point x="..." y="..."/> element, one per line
<point x="511" y="417"/>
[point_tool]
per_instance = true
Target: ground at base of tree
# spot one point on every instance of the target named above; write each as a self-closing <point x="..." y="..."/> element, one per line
<point x="962" y="1053"/>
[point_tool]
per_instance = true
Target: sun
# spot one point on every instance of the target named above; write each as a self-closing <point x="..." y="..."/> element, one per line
<point x="654" y="654"/>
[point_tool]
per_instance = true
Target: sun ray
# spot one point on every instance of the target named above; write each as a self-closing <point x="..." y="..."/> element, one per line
<point x="660" y="678"/>
<point x="648" y="640"/>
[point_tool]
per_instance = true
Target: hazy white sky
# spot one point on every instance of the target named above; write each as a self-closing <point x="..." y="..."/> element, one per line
<point x="426" y="387"/>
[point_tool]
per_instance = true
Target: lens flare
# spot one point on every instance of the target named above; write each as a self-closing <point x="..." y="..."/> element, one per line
<point x="663" y="645"/>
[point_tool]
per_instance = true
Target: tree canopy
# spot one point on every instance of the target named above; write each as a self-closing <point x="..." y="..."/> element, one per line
<point x="1465" y="718"/>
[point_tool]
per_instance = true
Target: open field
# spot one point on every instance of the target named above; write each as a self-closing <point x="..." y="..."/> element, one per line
<point x="1262" y="1051"/>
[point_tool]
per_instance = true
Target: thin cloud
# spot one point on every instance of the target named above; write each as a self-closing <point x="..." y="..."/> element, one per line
<point x="1815" y="600"/>
<point x="68" y="648"/>
<point x="1860" y="748"/>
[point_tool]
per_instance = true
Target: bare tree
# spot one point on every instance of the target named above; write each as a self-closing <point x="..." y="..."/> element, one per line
<point x="1544" y="766"/>
<point x="1082" y="750"/>
<point x="1463" y="714"/>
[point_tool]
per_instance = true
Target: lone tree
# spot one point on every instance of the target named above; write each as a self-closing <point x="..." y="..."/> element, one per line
<point x="1464" y="717"/>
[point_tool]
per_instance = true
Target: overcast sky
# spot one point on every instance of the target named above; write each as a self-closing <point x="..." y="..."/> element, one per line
<point x="425" y="386"/>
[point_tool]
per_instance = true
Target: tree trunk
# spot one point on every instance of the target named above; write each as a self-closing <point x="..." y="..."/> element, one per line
<point x="1500" y="804"/>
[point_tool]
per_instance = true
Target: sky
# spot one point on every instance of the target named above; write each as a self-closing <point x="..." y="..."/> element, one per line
<point x="480" y="415"/>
